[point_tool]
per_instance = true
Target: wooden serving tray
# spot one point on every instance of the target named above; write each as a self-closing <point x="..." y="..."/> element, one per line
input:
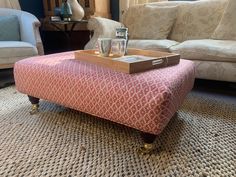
<point x="135" y="61"/>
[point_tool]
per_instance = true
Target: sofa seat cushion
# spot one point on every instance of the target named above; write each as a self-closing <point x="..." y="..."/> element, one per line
<point x="12" y="51"/>
<point x="161" y="45"/>
<point x="207" y="49"/>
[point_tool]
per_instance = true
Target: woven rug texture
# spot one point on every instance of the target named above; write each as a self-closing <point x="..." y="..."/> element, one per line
<point x="199" y="141"/>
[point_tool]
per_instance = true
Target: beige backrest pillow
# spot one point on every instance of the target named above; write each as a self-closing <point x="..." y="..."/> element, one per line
<point x="148" y="22"/>
<point x="226" y="29"/>
<point x="197" y="20"/>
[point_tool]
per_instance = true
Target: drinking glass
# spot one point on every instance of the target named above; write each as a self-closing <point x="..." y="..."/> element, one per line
<point x="104" y="45"/>
<point x="118" y="47"/>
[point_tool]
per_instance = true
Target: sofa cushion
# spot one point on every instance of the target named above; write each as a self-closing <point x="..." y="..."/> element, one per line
<point x="227" y="27"/>
<point x="197" y="20"/>
<point x="10" y="28"/>
<point x="161" y="45"/>
<point x="207" y="49"/>
<point x="12" y="51"/>
<point x="149" y="22"/>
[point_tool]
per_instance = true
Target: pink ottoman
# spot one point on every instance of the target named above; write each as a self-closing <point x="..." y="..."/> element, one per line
<point x="145" y="101"/>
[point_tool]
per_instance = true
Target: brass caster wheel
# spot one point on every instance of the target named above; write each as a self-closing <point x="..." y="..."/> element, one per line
<point x="34" y="109"/>
<point x="146" y="149"/>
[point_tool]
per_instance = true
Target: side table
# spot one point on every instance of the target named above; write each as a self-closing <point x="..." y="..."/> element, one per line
<point x="68" y="27"/>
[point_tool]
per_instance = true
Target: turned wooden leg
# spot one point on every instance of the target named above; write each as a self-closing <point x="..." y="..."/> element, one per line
<point x="148" y="143"/>
<point x="35" y="104"/>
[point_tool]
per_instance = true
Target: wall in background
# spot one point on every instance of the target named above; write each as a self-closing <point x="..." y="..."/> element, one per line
<point x="115" y="9"/>
<point x="36" y="7"/>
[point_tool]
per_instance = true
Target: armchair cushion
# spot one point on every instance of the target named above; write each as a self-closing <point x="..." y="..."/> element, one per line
<point x="10" y="28"/>
<point x="160" y="45"/>
<point x="12" y="51"/>
<point x="207" y="50"/>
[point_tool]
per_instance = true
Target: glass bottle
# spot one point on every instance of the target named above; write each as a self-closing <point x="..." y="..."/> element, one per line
<point x="122" y="33"/>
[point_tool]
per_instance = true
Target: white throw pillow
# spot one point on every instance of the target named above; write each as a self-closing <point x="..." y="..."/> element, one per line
<point x="149" y="22"/>
<point x="226" y="29"/>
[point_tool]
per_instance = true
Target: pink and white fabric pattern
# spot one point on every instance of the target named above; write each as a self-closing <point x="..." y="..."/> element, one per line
<point x="145" y="101"/>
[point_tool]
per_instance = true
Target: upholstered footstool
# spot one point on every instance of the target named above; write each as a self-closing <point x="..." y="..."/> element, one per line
<point x="145" y="101"/>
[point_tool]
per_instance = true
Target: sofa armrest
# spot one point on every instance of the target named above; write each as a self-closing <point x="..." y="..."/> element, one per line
<point x="29" y="27"/>
<point x="101" y="27"/>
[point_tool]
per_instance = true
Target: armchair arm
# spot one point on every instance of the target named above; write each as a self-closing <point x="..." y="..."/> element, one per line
<point x="29" y="26"/>
<point x="101" y="27"/>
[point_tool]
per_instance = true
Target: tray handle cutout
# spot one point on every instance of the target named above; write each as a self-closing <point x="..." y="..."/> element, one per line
<point x="157" y="62"/>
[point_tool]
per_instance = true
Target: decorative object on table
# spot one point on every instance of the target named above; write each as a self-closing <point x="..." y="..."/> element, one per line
<point x="122" y="33"/>
<point x="77" y="10"/>
<point x="104" y="45"/>
<point x="118" y="47"/>
<point x="66" y="11"/>
<point x="55" y="18"/>
<point x="136" y="60"/>
<point x="57" y="11"/>
<point x="89" y="7"/>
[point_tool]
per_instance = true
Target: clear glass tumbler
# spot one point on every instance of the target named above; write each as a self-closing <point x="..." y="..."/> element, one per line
<point x="118" y="47"/>
<point x="104" y="45"/>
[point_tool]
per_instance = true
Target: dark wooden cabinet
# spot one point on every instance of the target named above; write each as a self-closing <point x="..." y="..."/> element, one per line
<point x="58" y="41"/>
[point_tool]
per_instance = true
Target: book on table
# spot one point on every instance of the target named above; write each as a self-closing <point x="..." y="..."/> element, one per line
<point x="135" y="61"/>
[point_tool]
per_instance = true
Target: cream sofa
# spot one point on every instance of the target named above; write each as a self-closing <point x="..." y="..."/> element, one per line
<point x="30" y="43"/>
<point x="190" y="36"/>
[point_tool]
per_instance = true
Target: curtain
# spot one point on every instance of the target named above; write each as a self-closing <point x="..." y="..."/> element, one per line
<point x="125" y="4"/>
<point x="14" y="4"/>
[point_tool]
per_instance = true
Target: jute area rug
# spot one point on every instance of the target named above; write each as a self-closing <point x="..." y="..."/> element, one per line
<point x="199" y="141"/>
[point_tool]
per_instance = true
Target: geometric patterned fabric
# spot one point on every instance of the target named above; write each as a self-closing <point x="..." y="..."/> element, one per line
<point x="145" y="101"/>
